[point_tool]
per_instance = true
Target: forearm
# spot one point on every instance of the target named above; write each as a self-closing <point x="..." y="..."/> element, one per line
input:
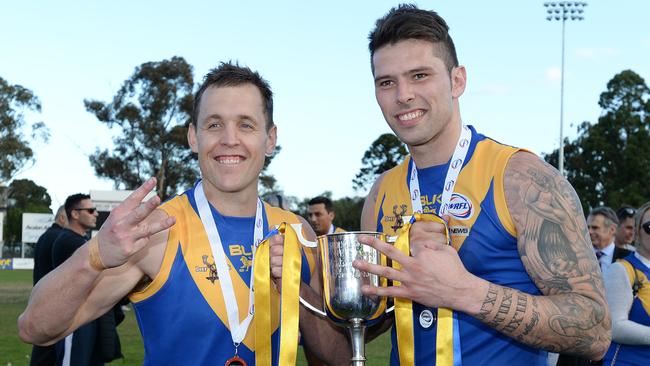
<point x="620" y="298"/>
<point x="56" y="300"/>
<point x="564" y="323"/>
<point x="629" y="332"/>
<point x="324" y="339"/>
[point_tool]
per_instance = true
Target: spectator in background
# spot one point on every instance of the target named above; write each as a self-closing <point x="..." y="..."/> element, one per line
<point x="628" y="295"/>
<point x="625" y="230"/>
<point x="602" y="223"/>
<point x="321" y="215"/>
<point x="44" y="356"/>
<point x="96" y="342"/>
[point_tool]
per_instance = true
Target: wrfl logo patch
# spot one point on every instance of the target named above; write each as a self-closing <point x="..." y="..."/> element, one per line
<point x="460" y="207"/>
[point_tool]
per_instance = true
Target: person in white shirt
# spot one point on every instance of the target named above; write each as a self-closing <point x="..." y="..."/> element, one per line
<point x="628" y="293"/>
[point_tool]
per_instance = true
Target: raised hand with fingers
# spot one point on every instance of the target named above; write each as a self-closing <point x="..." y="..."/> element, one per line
<point x="130" y="225"/>
<point x="433" y="275"/>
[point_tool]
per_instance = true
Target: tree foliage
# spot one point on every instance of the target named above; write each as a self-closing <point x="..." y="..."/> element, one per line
<point x="152" y="111"/>
<point x="384" y="153"/>
<point x="267" y="183"/>
<point x="15" y="150"/>
<point x="609" y="162"/>
<point x="25" y="196"/>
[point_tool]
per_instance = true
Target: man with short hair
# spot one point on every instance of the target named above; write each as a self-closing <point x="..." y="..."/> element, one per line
<point x="187" y="264"/>
<point x="519" y="277"/>
<point x="44" y="356"/>
<point x="625" y="231"/>
<point x="602" y="223"/>
<point x="321" y="216"/>
<point x="84" y="346"/>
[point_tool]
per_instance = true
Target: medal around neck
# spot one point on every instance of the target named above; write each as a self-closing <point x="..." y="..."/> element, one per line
<point x="235" y="361"/>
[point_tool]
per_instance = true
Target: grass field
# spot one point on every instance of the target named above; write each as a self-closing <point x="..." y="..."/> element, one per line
<point x="14" y="292"/>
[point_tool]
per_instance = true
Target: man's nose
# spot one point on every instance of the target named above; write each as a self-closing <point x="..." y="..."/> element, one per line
<point x="404" y="93"/>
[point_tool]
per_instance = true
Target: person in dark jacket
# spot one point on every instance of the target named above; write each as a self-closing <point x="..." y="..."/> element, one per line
<point x="45" y="356"/>
<point x="96" y="342"/>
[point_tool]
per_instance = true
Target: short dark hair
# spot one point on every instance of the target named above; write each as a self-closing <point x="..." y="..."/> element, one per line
<point x="607" y="213"/>
<point x="72" y="202"/>
<point x="231" y="74"/>
<point x="324" y="200"/>
<point x="405" y="22"/>
<point x="624" y="212"/>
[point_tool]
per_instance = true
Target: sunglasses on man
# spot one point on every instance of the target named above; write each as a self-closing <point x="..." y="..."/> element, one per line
<point x="625" y="212"/>
<point x="91" y="210"/>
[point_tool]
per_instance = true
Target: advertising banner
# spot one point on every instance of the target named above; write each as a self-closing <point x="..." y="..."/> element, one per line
<point x="34" y="225"/>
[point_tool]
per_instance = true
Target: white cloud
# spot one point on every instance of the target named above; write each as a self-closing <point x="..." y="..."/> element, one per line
<point x="596" y="52"/>
<point x="553" y="74"/>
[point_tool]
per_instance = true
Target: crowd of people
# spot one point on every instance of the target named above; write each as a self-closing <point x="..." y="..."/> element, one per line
<point x="511" y="273"/>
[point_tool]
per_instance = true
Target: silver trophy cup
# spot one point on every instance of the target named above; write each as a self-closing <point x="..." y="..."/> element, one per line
<point x="344" y="302"/>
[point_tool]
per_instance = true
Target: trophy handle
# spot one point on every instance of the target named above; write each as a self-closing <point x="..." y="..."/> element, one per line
<point x="309" y="306"/>
<point x="309" y="244"/>
<point x="298" y="229"/>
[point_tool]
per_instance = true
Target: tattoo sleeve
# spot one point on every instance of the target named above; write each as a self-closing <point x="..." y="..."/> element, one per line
<point x="571" y="315"/>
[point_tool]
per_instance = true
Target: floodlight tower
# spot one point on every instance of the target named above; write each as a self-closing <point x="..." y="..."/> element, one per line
<point x="563" y="11"/>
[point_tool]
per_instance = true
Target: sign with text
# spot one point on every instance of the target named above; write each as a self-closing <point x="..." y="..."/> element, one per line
<point x="34" y="225"/>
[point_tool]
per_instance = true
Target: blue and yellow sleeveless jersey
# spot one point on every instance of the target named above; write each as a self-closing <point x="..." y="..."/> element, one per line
<point x="181" y="313"/>
<point x="639" y="313"/>
<point x="483" y="233"/>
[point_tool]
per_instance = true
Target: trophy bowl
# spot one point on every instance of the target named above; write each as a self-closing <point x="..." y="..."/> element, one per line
<point x="344" y="302"/>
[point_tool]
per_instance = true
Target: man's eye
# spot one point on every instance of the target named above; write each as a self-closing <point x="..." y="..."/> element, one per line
<point x="419" y="76"/>
<point x="385" y="83"/>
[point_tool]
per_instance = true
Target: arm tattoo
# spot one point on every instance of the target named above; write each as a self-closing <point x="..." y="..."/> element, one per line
<point x="571" y="316"/>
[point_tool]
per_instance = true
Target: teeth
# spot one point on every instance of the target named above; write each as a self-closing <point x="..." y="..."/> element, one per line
<point x="410" y="116"/>
<point x="228" y="159"/>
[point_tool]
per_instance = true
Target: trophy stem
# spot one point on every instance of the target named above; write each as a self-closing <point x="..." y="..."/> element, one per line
<point x="357" y="337"/>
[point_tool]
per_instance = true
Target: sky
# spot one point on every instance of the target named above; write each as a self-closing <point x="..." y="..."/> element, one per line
<point x="315" y="56"/>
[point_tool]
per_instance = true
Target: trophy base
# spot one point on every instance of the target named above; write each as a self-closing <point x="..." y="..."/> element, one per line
<point x="357" y="330"/>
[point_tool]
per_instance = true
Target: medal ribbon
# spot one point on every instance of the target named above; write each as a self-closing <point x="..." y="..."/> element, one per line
<point x="237" y="330"/>
<point x="447" y="338"/>
<point x="289" y="305"/>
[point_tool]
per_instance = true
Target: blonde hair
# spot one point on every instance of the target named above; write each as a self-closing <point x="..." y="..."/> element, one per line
<point x="637" y="222"/>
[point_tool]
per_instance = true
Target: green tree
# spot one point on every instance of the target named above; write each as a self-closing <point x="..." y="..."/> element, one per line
<point x="609" y="162"/>
<point x="15" y="150"/>
<point x="26" y="196"/>
<point x="152" y="111"/>
<point x="384" y="153"/>
<point x="348" y="213"/>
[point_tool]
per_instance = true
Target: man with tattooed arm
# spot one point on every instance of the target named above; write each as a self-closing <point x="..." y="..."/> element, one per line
<point x="519" y="278"/>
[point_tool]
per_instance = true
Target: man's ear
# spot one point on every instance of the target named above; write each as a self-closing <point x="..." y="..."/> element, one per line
<point x="272" y="137"/>
<point x="191" y="138"/>
<point x="458" y="81"/>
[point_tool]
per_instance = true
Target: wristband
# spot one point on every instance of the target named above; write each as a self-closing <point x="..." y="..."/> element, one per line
<point x="93" y="255"/>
